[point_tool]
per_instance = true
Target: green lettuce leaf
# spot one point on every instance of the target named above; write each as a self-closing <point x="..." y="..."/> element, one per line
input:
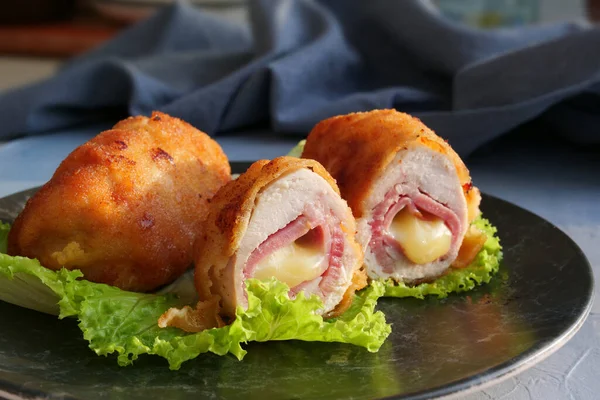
<point x="26" y="283"/>
<point x="122" y="322"/>
<point x="480" y="271"/>
<point x="297" y="150"/>
<point x="4" y="229"/>
<point x="127" y="325"/>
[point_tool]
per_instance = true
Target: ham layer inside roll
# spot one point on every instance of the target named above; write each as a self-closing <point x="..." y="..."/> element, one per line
<point x="415" y="219"/>
<point x="296" y="234"/>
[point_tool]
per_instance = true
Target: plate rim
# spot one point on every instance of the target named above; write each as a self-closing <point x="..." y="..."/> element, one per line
<point x="524" y="360"/>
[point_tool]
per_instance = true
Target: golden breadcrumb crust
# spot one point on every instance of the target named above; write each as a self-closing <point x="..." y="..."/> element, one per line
<point x="357" y="148"/>
<point x="125" y="207"/>
<point x="227" y="221"/>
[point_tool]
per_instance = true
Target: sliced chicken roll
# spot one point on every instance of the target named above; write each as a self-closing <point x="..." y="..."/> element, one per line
<point x="283" y="219"/>
<point x="410" y="192"/>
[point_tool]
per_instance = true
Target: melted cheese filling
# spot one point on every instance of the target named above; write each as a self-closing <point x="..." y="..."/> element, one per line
<point x="293" y="264"/>
<point x="422" y="240"/>
<point x="70" y="254"/>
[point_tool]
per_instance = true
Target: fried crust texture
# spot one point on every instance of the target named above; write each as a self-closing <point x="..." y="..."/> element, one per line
<point x="125" y="208"/>
<point x="357" y="148"/>
<point x="230" y="212"/>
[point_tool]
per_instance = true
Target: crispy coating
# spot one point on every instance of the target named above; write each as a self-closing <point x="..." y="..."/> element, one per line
<point x="125" y="207"/>
<point x="229" y="215"/>
<point x="472" y="244"/>
<point x="230" y="212"/>
<point x="357" y="148"/>
<point x="204" y="316"/>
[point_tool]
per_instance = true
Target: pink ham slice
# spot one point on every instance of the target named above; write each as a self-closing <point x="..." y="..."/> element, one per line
<point x="327" y="231"/>
<point x="385" y="247"/>
<point x="283" y="237"/>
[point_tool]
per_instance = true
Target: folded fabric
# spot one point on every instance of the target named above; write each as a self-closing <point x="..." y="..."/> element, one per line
<point x="301" y="61"/>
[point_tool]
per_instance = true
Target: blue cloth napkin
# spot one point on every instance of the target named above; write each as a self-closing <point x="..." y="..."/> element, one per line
<point x="300" y="61"/>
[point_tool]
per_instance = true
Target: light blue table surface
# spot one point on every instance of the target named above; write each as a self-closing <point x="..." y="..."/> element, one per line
<point x="558" y="181"/>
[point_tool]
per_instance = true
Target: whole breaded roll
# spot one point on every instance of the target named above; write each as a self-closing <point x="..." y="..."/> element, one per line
<point x="409" y="191"/>
<point x="125" y="208"/>
<point x="284" y="219"/>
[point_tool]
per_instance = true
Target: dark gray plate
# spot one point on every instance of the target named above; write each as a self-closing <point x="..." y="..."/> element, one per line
<point x="538" y="300"/>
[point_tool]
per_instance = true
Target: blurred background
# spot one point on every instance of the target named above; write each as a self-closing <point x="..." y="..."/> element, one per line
<point x="532" y="166"/>
<point x="37" y="35"/>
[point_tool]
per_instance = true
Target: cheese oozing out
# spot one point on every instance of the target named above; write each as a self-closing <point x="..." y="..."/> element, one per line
<point x="300" y="261"/>
<point x="423" y="240"/>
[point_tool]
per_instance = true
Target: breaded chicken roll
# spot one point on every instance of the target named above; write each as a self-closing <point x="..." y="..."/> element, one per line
<point x="125" y="208"/>
<point x="283" y="219"/>
<point x="409" y="191"/>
